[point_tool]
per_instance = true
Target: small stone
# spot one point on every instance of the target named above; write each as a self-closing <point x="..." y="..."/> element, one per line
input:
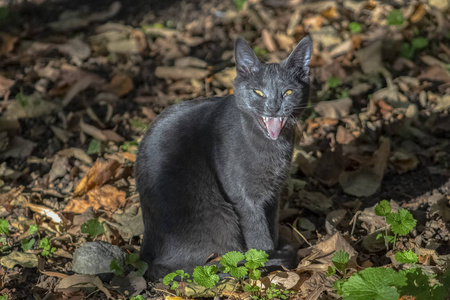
<point x="94" y="258"/>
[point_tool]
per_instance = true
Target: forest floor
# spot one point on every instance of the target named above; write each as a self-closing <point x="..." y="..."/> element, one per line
<point x="80" y="81"/>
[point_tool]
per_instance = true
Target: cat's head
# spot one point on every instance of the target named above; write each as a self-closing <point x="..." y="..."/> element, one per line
<point x="274" y="94"/>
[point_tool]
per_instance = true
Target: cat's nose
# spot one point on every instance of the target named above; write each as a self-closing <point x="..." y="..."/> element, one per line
<point x="273" y="107"/>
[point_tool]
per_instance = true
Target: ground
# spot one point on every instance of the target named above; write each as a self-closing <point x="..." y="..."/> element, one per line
<point x="80" y="81"/>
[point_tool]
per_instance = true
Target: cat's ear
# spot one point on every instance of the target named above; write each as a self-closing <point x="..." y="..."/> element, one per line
<point x="299" y="58"/>
<point x="246" y="60"/>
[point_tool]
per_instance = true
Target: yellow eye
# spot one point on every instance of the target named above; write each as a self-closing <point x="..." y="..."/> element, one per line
<point x="287" y="93"/>
<point x="259" y="93"/>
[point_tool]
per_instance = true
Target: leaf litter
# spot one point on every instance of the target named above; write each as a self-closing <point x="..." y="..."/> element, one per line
<point x="90" y="84"/>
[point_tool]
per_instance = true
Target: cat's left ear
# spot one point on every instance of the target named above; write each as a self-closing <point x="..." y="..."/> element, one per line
<point x="301" y="56"/>
<point x="246" y="60"/>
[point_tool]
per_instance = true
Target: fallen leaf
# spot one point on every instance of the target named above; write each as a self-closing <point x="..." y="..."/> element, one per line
<point x="26" y="260"/>
<point x="419" y="12"/>
<point x="129" y="223"/>
<point x="77" y="153"/>
<point x="403" y="160"/>
<point x="76" y="49"/>
<point x="59" y="168"/>
<point x="97" y="176"/>
<point x="314" y="201"/>
<point x="81" y="282"/>
<point x="7" y="43"/>
<point x="333" y="219"/>
<point x="359" y="183"/>
<point x="5" y="85"/>
<point x="45" y="211"/>
<point x="370" y="58"/>
<point x="107" y="197"/>
<point x="334" y="109"/>
<point x="121" y="84"/>
<point x="19" y="148"/>
<point x="176" y="73"/>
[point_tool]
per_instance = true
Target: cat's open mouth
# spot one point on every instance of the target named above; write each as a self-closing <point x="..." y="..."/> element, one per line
<point x="274" y="125"/>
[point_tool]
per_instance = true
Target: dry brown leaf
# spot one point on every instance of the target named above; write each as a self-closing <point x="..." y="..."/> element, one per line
<point x="175" y="73"/>
<point x="5" y="85"/>
<point x="268" y="41"/>
<point x="45" y="211"/>
<point x="77" y="153"/>
<point x="128" y="155"/>
<point x="121" y="84"/>
<point x="85" y="81"/>
<point x="107" y="197"/>
<point x="334" y="109"/>
<point x="80" y="282"/>
<point x="93" y="131"/>
<point x="418" y="14"/>
<point x="330" y="13"/>
<point x="7" y="43"/>
<point x="435" y="73"/>
<point x="97" y="176"/>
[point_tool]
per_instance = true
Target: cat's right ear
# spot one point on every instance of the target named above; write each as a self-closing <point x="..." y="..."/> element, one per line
<point x="246" y="60"/>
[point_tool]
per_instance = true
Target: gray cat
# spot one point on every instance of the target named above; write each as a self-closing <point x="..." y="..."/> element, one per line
<point x="210" y="172"/>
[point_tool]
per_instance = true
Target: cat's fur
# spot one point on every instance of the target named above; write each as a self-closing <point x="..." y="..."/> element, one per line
<point x="210" y="172"/>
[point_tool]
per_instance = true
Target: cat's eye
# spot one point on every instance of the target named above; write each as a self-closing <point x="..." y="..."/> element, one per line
<point x="259" y="93"/>
<point x="287" y="93"/>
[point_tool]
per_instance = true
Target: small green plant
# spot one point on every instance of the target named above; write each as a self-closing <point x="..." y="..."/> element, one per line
<point x="22" y="99"/>
<point x="274" y="292"/>
<point x="4" y="226"/>
<point x="3" y="297"/>
<point x="259" y="51"/>
<point x="95" y="147"/>
<point x="354" y="27"/>
<point x="230" y="262"/>
<point x="339" y="260"/>
<point x="169" y="279"/>
<point x="137" y="124"/>
<point x="409" y="49"/>
<point x="132" y="259"/>
<point x="402" y="222"/>
<point x="27" y="244"/>
<point x="93" y="228"/>
<point x="32" y="229"/>
<point x="44" y="244"/>
<point x="130" y="146"/>
<point x="334" y="82"/>
<point x="239" y="4"/>
<point x="4" y="244"/>
<point x="206" y="276"/>
<point x="4" y="13"/>
<point x="406" y="257"/>
<point x="395" y="17"/>
<point x="138" y="297"/>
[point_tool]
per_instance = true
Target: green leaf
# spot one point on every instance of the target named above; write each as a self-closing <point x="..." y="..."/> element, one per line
<point x="338" y="285"/>
<point x="138" y="297"/>
<point x="401" y="222"/>
<point x="418" y="285"/>
<point x="4" y="13"/>
<point x="239" y="4"/>
<point x="419" y="42"/>
<point x="130" y="146"/>
<point x="340" y="259"/>
<point x="169" y="277"/>
<point x="406" y="257"/>
<point x="141" y="267"/>
<point x="255" y="258"/>
<point x="331" y="271"/>
<point x="93" y="228"/>
<point x="254" y="274"/>
<point x="4" y="243"/>
<point x="4" y="226"/>
<point x="3" y="297"/>
<point x="44" y="244"/>
<point x="231" y="259"/>
<point x="27" y="244"/>
<point x="354" y="27"/>
<point x="407" y="51"/>
<point x="174" y="286"/>
<point x="249" y="288"/>
<point x="383" y="208"/>
<point x="206" y="276"/>
<point x="333" y="82"/>
<point x="132" y="258"/>
<point x="395" y="17"/>
<point x="117" y="267"/>
<point x="95" y="147"/>
<point x="374" y="283"/>
<point x="259" y="51"/>
<point x="33" y="228"/>
<point x="229" y="262"/>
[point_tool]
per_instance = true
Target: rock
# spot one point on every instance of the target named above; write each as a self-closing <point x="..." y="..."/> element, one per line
<point x="94" y="258"/>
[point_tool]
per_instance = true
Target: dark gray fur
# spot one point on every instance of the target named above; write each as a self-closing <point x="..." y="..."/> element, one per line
<point x="208" y="175"/>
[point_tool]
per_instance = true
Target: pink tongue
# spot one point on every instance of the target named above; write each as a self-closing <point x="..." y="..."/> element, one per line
<point x="273" y="126"/>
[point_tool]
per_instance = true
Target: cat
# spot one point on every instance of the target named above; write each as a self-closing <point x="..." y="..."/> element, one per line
<point x="210" y="172"/>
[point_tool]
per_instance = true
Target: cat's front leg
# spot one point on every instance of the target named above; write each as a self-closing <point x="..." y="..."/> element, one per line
<point x="255" y="226"/>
